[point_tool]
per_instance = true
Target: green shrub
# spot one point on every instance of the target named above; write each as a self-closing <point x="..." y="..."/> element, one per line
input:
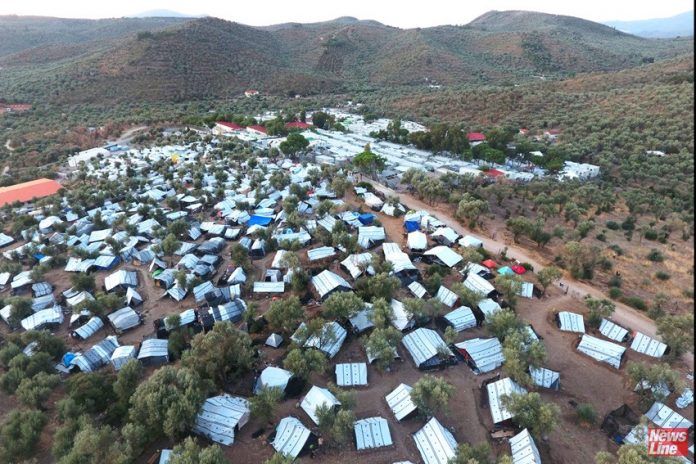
<point x="656" y="256"/>
<point x="650" y="234"/>
<point x="615" y="293"/>
<point x="586" y="414"/>
<point x="629" y="223"/>
<point x="635" y="302"/>
<point x="616" y="249"/>
<point x="662" y="275"/>
<point x="601" y="237"/>
<point x="612" y="225"/>
<point x="615" y="281"/>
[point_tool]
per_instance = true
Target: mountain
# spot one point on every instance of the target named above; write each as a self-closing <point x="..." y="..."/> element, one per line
<point x="163" y="14"/>
<point x="681" y="25"/>
<point x="21" y="33"/>
<point x="213" y="58"/>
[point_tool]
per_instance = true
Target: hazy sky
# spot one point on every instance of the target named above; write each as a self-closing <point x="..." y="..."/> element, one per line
<point x="393" y="12"/>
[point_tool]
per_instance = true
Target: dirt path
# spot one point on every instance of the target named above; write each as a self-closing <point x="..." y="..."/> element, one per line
<point x="8" y="145"/>
<point x="128" y="134"/>
<point x="624" y="315"/>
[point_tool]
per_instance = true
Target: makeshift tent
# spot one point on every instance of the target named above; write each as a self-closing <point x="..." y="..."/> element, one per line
<point x="316" y="397"/>
<point x="351" y="375"/>
<point x="122" y="355"/>
<point x="153" y="351"/>
<point x="570" y="322"/>
<point x="427" y="349"/>
<point x="400" y="402"/>
<point x="272" y="377"/>
<point x="482" y="354"/>
<point x="292" y="439"/>
<point x="523" y="449"/>
<point x="435" y="443"/>
<point x="496" y="390"/>
<point x="220" y="416"/>
<point x="461" y="318"/>
<point x="274" y="340"/>
<point x="602" y="350"/>
<point x="372" y="433"/>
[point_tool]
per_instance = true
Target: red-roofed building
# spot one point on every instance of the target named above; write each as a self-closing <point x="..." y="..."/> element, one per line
<point x="257" y="129"/>
<point x="251" y="93"/>
<point x="298" y="125"/>
<point x="27" y="191"/>
<point x="494" y="173"/>
<point x="224" y="127"/>
<point x="476" y="137"/>
<point x="14" y="107"/>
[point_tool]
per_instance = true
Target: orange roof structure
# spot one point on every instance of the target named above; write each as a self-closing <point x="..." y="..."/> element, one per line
<point x="26" y="191"/>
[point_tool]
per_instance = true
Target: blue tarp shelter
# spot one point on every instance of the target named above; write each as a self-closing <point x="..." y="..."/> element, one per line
<point x="505" y="270"/>
<point x="259" y="220"/>
<point x="366" y="218"/>
<point x="411" y="226"/>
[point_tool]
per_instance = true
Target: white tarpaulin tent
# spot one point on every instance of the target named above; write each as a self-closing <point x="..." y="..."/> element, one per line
<point x="435" y="443"/>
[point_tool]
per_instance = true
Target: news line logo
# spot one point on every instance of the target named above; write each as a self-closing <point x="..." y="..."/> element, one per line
<point x="668" y="442"/>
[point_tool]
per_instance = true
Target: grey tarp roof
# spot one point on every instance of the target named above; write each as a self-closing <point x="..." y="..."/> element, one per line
<point x="274" y="340"/>
<point x="602" y="350"/>
<point x="496" y="390"/>
<point x="38" y="320"/>
<point x="523" y="449"/>
<point x="219" y="416"/>
<point x="121" y="278"/>
<point x="327" y="281"/>
<point x="446" y="296"/>
<point x="154" y="348"/>
<point x="97" y="356"/>
<point x="122" y="355"/>
<point x="290" y="437"/>
<point x="400" y="402"/>
<point x="372" y="433"/>
<point x="461" y="318"/>
<point x="362" y="320"/>
<point x="612" y="331"/>
<point x="351" y="374"/>
<point x="354" y="264"/>
<point x="478" y="284"/>
<point x="485" y="353"/>
<point x="317" y="254"/>
<point x="663" y="416"/>
<point x="272" y="377"/>
<point x="89" y="328"/>
<point x="417" y="289"/>
<point x="329" y="345"/>
<point x="545" y="378"/>
<point x="423" y="345"/>
<point x="571" y="322"/>
<point x="435" y="443"/>
<point x="316" y="397"/>
<point x="124" y="319"/>
<point x="230" y="311"/>
<point x="417" y="240"/>
<point x="444" y="254"/>
<point x="400" y="318"/>
<point x="647" y="345"/>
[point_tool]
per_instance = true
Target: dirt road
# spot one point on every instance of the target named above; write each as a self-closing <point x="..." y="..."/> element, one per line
<point x="128" y="135"/>
<point x="624" y="315"/>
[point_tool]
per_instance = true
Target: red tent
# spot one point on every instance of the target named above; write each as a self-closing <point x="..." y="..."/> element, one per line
<point x="518" y="269"/>
<point x="490" y="264"/>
